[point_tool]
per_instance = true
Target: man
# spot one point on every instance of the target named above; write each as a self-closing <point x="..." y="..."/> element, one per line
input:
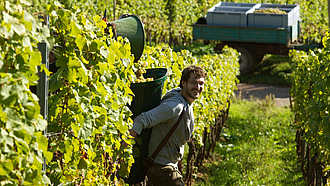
<point x="164" y="170"/>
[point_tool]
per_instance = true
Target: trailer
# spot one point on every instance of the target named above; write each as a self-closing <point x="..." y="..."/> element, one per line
<point x="252" y="33"/>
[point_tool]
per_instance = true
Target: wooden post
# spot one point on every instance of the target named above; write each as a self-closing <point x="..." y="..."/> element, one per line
<point x="114" y="9"/>
<point x="329" y="12"/>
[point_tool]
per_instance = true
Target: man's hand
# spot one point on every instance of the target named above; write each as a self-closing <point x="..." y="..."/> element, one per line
<point x="133" y="133"/>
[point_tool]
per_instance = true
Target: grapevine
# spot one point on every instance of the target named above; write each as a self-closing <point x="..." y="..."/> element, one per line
<point x="23" y="147"/>
<point x="88" y="105"/>
<point x="310" y="92"/>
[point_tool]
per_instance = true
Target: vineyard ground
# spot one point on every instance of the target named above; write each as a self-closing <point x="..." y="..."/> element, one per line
<point x="260" y="92"/>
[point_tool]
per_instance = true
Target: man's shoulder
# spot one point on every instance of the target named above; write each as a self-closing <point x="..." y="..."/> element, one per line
<point x="173" y="96"/>
<point x="173" y="101"/>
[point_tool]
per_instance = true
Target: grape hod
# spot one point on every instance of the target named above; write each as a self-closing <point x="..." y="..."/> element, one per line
<point x="147" y="96"/>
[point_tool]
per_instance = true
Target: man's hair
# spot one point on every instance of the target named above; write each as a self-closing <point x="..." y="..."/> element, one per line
<point x="200" y="73"/>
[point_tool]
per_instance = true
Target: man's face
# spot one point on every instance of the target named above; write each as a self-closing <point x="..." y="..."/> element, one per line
<point x="192" y="89"/>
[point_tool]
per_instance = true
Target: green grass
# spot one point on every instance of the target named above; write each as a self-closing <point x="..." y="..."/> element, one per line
<point x="259" y="148"/>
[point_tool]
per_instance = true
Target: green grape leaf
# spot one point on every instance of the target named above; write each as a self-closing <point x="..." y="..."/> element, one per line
<point x="80" y="41"/>
<point x="75" y="31"/>
<point x="86" y="130"/>
<point x="42" y="141"/>
<point x="82" y="164"/>
<point x="104" y="51"/>
<point x="18" y="28"/>
<point x="68" y="151"/>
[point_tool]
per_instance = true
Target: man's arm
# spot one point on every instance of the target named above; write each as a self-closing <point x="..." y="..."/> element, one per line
<point x="160" y="114"/>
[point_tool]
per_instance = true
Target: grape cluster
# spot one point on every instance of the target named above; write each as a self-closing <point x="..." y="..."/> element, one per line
<point x="270" y="11"/>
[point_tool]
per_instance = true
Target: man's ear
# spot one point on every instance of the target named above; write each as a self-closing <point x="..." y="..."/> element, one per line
<point x="183" y="83"/>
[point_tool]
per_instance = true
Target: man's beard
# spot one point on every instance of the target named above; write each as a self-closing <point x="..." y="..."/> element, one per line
<point x="193" y="93"/>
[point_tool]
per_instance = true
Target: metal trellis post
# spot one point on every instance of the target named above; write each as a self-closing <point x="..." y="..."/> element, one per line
<point x="42" y="88"/>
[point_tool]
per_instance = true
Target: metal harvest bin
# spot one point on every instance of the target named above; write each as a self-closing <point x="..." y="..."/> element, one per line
<point x="230" y="14"/>
<point x="267" y="20"/>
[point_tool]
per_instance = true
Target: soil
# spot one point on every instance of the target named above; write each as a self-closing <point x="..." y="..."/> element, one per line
<point x="260" y="91"/>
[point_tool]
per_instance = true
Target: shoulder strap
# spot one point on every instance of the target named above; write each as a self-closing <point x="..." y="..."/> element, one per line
<point x="161" y="145"/>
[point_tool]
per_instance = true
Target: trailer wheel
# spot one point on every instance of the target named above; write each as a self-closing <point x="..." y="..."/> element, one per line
<point x="245" y="60"/>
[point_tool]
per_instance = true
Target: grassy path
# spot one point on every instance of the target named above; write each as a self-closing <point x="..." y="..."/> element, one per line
<point x="258" y="148"/>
